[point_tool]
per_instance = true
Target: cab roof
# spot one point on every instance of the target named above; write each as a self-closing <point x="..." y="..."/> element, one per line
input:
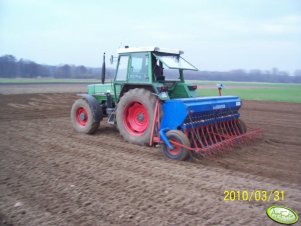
<point x="148" y="49"/>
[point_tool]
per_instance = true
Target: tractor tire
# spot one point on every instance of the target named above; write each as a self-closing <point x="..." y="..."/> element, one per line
<point x="178" y="153"/>
<point x="242" y="126"/>
<point x="135" y="115"/>
<point x="83" y="118"/>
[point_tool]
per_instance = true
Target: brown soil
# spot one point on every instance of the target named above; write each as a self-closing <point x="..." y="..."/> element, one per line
<point x="42" y="88"/>
<point x="51" y="175"/>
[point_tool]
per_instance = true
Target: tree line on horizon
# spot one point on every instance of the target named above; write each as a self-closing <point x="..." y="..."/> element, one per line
<point x="10" y="67"/>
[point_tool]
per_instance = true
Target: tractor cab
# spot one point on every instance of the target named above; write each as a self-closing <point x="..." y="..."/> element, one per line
<point x="160" y="70"/>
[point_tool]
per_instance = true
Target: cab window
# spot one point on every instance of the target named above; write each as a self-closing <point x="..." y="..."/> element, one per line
<point x="122" y="68"/>
<point x="139" y="68"/>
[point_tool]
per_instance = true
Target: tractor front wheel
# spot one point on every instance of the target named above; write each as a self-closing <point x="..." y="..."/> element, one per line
<point x="178" y="153"/>
<point x="82" y="117"/>
<point x="135" y="115"/>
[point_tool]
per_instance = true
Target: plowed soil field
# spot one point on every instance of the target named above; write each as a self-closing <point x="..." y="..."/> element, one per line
<point x="51" y="175"/>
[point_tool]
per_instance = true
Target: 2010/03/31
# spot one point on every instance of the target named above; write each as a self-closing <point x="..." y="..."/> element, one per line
<point x="255" y="195"/>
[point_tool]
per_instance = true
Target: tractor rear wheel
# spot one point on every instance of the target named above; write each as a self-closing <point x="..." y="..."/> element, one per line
<point x="178" y="153"/>
<point x="82" y="117"/>
<point x="135" y="115"/>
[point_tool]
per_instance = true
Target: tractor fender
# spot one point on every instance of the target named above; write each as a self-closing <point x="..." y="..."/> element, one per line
<point x="94" y="106"/>
<point x="125" y="88"/>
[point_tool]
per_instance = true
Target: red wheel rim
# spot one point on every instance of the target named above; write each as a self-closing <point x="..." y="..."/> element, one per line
<point x="81" y="116"/>
<point x="176" y="149"/>
<point x="135" y="118"/>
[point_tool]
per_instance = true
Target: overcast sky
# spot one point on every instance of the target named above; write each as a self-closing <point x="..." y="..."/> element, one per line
<point x="214" y="34"/>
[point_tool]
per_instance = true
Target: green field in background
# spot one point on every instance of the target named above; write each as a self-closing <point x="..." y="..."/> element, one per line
<point x="284" y="93"/>
<point x="246" y="90"/>
<point x="242" y="83"/>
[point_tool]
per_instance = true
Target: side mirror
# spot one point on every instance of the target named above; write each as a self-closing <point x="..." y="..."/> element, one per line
<point x="112" y="59"/>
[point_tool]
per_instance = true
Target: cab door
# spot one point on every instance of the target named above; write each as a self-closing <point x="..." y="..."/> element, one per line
<point x="138" y="70"/>
<point x="121" y="74"/>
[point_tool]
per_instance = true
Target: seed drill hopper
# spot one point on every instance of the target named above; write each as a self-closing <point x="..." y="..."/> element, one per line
<point x="150" y="103"/>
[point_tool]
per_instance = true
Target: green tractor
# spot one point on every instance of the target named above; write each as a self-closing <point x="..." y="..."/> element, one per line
<point x="150" y="103"/>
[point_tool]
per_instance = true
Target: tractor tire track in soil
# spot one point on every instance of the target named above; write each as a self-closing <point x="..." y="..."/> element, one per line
<point x="51" y="175"/>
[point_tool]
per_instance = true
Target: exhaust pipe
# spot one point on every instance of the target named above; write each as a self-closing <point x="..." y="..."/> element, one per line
<point x="103" y="69"/>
